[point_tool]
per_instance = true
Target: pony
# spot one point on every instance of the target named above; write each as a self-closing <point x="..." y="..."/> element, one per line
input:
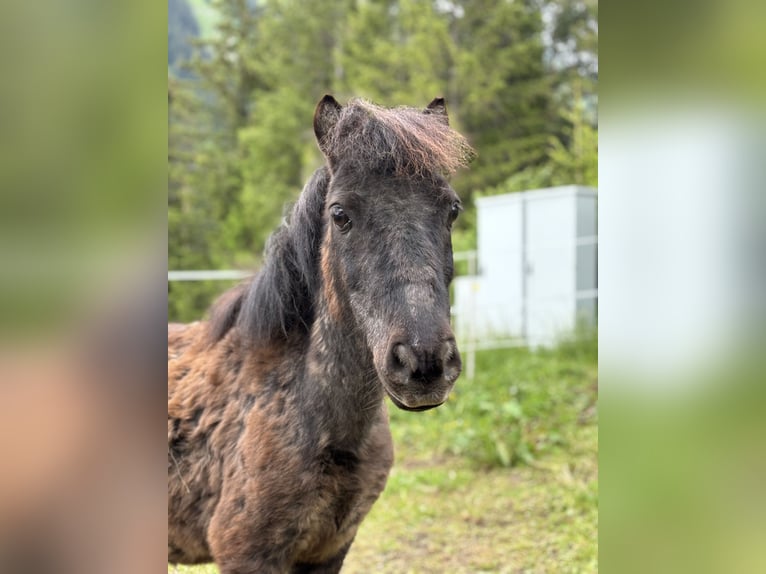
<point x="278" y="433"/>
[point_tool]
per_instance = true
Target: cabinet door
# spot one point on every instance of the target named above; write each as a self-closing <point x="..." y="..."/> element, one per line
<point x="501" y="254"/>
<point x="550" y="266"/>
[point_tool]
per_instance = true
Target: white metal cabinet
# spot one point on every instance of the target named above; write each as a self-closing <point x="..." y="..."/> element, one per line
<point x="537" y="267"/>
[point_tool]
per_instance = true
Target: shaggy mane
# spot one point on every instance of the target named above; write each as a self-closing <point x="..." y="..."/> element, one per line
<point x="403" y="141"/>
<point x="280" y="296"/>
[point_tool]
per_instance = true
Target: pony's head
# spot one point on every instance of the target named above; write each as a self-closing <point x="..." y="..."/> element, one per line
<point x="386" y="253"/>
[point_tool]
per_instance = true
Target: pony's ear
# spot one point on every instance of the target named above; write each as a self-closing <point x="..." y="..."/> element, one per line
<point x="325" y="117"/>
<point x="438" y="107"/>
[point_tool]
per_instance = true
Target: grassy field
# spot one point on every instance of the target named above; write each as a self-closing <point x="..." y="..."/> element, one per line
<point x="503" y="478"/>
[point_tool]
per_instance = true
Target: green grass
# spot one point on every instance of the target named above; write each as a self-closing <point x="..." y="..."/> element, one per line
<point x="502" y="478"/>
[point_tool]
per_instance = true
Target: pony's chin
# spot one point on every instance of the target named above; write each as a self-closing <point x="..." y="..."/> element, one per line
<point x="404" y="407"/>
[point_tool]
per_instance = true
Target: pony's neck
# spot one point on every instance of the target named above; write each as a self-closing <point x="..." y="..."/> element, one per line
<point x="342" y="377"/>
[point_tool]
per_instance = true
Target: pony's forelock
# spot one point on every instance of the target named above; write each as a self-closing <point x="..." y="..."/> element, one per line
<point x="405" y="141"/>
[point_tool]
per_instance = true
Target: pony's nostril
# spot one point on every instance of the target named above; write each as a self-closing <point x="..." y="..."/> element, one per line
<point x="413" y="363"/>
<point x="399" y="354"/>
<point x="404" y="359"/>
<point x="450" y="354"/>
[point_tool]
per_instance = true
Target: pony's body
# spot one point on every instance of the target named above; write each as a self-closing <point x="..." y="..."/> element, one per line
<point x="277" y="428"/>
<point x="314" y="482"/>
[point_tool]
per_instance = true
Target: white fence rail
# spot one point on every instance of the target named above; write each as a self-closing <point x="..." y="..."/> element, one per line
<point x="208" y="275"/>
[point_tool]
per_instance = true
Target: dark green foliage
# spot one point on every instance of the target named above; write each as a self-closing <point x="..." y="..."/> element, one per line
<point x="396" y="52"/>
<point x="503" y="88"/>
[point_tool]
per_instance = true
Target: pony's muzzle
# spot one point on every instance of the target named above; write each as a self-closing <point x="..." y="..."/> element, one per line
<point x="421" y="376"/>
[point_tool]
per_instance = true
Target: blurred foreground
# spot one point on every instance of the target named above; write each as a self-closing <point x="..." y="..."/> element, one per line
<point x="682" y="286"/>
<point x="82" y="293"/>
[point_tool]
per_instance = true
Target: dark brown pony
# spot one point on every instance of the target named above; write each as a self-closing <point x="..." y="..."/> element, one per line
<point x="278" y="438"/>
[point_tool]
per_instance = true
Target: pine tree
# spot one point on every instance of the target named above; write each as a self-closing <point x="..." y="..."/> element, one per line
<point x="206" y="109"/>
<point x="502" y="89"/>
<point x="397" y="52"/>
<point x="225" y="62"/>
<point x="294" y="63"/>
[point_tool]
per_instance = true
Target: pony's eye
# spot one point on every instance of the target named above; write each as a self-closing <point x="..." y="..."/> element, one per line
<point x="339" y="218"/>
<point x="455" y="210"/>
